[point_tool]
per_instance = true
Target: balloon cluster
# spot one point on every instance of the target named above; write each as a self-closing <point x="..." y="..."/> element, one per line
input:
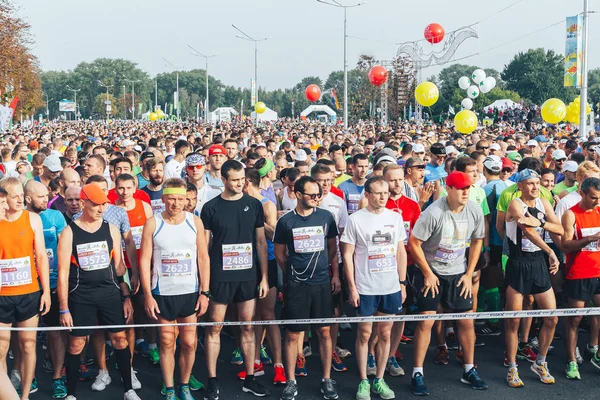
<point x="156" y="115"/>
<point x="573" y="110"/>
<point x="478" y="83"/>
<point x="554" y="111"/>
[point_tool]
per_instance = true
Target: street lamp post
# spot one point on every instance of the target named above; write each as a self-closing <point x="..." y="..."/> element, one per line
<point x="133" y="82"/>
<point x="198" y="54"/>
<point x="177" y="77"/>
<point x="337" y="4"/>
<point x="48" y="106"/>
<point x="251" y="39"/>
<point x="75" y="99"/>
<point x="107" y="102"/>
<point x="584" y="73"/>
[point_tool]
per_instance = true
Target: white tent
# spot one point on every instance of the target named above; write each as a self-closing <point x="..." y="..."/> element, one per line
<point x="503" y="104"/>
<point x="317" y="108"/>
<point x="269" y="115"/>
<point x="222" y="114"/>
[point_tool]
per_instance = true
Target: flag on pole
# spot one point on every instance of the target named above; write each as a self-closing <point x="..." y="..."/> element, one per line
<point x="201" y="105"/>
<point x="334" y="99"/>
<point x="171" y="108"/>
<point x="451" y="110"/>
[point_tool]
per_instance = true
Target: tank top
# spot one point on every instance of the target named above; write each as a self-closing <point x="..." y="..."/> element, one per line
<point x="19" y="273"/>
<point x="155" y="200"/>
<point x="270" y="245"/>
<point x="520" y="247"/>
<point x="175" y="269"/>
<point x="286" y="202"/>
<point x="269" y="193"/>
<point x="585" y="263"/>
<point x="92" y="266"/>
<point x="137" y="218"/>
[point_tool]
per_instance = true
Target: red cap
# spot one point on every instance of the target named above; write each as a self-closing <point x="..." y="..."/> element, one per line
<point x="216" y="149"/>
<point x="458" y="180"/>
<point x="507" y="163"/>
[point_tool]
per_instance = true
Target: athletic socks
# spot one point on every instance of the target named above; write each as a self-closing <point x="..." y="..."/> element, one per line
<point x="417" y="370"/>
<point x="480" y="301"/>
<point x="492" y="297"/>
<point x="124" y="362"/>
<point x="72" y="367"/>
<point x="540" y="359"/>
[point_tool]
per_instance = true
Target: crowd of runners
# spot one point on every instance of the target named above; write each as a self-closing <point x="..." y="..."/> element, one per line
<point x="123" y="222"/>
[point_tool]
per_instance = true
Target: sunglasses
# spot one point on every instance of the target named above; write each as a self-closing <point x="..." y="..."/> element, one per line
<point x="483" y="148"/>
<point x="193" y="167"/>
<point x="562" y="160"/>
<point x="312" y="195"/>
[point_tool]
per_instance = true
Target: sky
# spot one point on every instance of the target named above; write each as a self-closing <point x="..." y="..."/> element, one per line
<point x="305" y="37"/>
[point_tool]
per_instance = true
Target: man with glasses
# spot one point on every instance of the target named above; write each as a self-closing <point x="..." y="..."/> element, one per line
<point x="483" y="146"/>
<point x="559" y="157"/>
<point x="435" y="171"/>
<point x="569" y="184"/>
<point x="305" y="246"/>
<point x="194" y="173"/>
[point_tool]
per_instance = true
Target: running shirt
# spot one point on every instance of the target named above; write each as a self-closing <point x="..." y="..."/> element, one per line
<point x="137" y="219"/>
<point x="142" y="182"/>
<point x="53" y="223"/>
<point x="287" y="203"/>
<point x="92" y="268"/>
<point x="353" y="193"/>
<point x="519" y="246"/>
<point x="17" y="241"/>
<point x="512" y="192"/>
<point x="211" y="181"/>
<point x="270" y="245"/>
<point x="585" y="263"/>
<point x="561" y="186"/>
<point x="410" y="212"/>
<point x="205" y="194"/>
<point x="493" y="189"/>
<point x="155" y="200"/>
<point x="58" y="203"/>
<point x="113" y="215"/>
<point x="269" y="193"/>
<point x="433" y="173"/>
<point x="376" y="238"/>
<point x="445" y="235"/>
<point x="138" y="194"/>
<point x="173" y="169"/>
<point x="175" y="268"/>
<point x="232" y="251"/>
<point x="306" y="239"/>
<point x="566" y="203"/>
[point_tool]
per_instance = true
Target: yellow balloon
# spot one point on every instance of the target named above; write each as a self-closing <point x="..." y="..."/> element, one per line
<point x="427" y="94"/>
<point x="153" y="116"/>
<point x="260" y="107"/>
<point x="160" y="113"/>
<point x="588" y="109"/>
<point x="465" y="121"/>
<point x="553" y="111"/>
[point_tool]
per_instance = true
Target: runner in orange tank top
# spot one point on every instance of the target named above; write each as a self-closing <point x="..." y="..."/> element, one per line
<point x="22" y="242"/>
<point x="581" y="244"/>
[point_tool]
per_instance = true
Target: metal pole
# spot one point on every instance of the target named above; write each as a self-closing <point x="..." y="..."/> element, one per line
<point x="345" y="75"/>
<point x="584" y="73"/>
<point x="256" y="69"/>
<point x="155" y="92"/>
<point x="76" y="118"/>
<point x="177" y="104"/>
<point x="124" y="105"/>
<point x="206" y="104"/>
<point x="132" y="100"/>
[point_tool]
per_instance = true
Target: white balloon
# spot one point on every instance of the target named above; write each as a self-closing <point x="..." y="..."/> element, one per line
<point x="485" y="85"/>
<point x="478" y="75"/>
<point x="467" y="104"/>
<point x="464" y="82"/>
<point x="473" y="92"/>
<point x="492" y="81"/>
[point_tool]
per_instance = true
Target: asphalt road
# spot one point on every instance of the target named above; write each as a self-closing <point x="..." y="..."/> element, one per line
<point x="443" y="381"/>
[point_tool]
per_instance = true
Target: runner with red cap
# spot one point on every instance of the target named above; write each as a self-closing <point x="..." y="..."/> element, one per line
<point x="217" y="155"/>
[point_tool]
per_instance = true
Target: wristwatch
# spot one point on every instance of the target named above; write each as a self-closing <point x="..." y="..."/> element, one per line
<point x="404" y="282"/>
<point x="542" y="222"/>
<point x="206" y="293"/>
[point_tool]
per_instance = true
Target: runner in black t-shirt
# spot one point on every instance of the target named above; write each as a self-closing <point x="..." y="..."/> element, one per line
<point x="305" y="245"/>
<point x="234" y="227"/>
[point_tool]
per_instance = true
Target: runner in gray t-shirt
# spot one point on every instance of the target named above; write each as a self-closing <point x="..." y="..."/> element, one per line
<point x="443" y="276"/>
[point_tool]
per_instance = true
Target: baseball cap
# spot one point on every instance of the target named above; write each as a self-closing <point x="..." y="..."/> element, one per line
<point x="458" y="180"/>
<point x="527" y="174"/>
<point x="541" y="138"/>
<point x="507" y="163"/>
<point x="514" y="156"/>
<point x="128" y="142"/>
<point x="532" y="143"/>
<point x="93" y="193"/>
<point x="137" y="148"/>
<point x="195" y="159"/>
<point x="300" y="155"/>
<point x="495" y="146"/>
<point x="438" y="149"/>
<point x="570" y="166"/>
<point x="559" y="154"/>
<point x="414" y="162"/>
<point x="451" y="149"/>
<point x="379" y="144"/>
<point x="216" y="149"/>
<point x="562" y="141"/>
<point x="385" y="158"/>
<point x="418" y="148"/>
<point x="52" y="162"/>
<point x="146" y="155"/>
<point x="493" y="163"/>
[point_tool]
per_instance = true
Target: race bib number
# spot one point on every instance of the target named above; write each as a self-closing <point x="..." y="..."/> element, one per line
<point x="407" y="230"/>
<point x="16" y="271"/>
<point x="237" y="256"/>
<point x="547" y="237"/>
<point x="527" y="245"/>
<point x="93" y="256"/>
<point x="448" y="253"/>
<point x="157" y="206"/>
<point x="176" y="263"/>
<point x="382" y="259"/>
<point x="453" y="243"/>
<point x="308" y="240"/>
<point x="353" y="200"/>
<point x="50" y="254"/>
<point x="136" y="232"/>
<point x="593" y="246"/>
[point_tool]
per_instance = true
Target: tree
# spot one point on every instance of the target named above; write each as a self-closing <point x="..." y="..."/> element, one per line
<point x="537" y="75"/>
<point x="99" y="108"/>
<point x="594" y="86"/>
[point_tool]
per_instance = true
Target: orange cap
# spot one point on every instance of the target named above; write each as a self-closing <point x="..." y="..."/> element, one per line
<point x="93" y="193"/>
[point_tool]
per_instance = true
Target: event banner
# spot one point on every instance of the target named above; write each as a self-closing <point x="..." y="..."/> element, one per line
<point x="573" y="52"/>
<point x="66" y="105"/>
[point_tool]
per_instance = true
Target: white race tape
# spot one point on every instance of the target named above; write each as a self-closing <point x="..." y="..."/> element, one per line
<point x="568" y="312"/>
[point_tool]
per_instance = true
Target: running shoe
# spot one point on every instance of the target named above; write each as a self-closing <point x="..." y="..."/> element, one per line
<point x="185" y="393"/>
<point x="543" y="373"/>
<point x="405" y="340"/>
<point x="393" y="368"/>
<point x="512" y="378"/>
<point x="371" y="366"/>
<point x="15" y="378"/>
<point x="259" y="370"/>
<point x="290" y="392"/>
<point x="307" y="350"/>
<point x="590" y="352"/>
<point x="264" y="357"/>
<point x="364" y="390"/>
<point x="254" y="387"/>
<point x="595" y="361"/>
<point x="279" y="378"/>
<point x="451" y="341"/>
<point x="170" y="395"/>
<point x="441" y="357"/>
<point x="84" y="373"/>
<point x="213" y="391"/>
<point x="472" y="378"/>
<point x="479" y="342"/>
<point x="32" y="389"/>
<point x="301" y="366"/>
<point x="103" y="379"/>
<point x="487" y="330"/>
<point x="535" y="345"/>
<point x="135" y="382"/>
<point x="195" y="384"/>
<point x="343" y="353"/>
<point x="526" y="353"/>
<point x="142" y="349"/>
<point x="337" y="364"/>
<point x="154" y="355"/>
<point x="236" y="357"/>
<point x="418" y="386"/>
<point x="572" y="371"/>
<point x="578" y="357"/>
<point x="328" y="389"/>
<point x="131" y="395"/>
<point x="59" y="390"/>
<point x="382" y="389"/>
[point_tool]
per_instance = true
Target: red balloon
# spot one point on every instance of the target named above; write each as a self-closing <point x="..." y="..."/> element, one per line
<point x="434" y="33"/>
<point x="378" y="75"/>
<point x="312" y="92"/>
